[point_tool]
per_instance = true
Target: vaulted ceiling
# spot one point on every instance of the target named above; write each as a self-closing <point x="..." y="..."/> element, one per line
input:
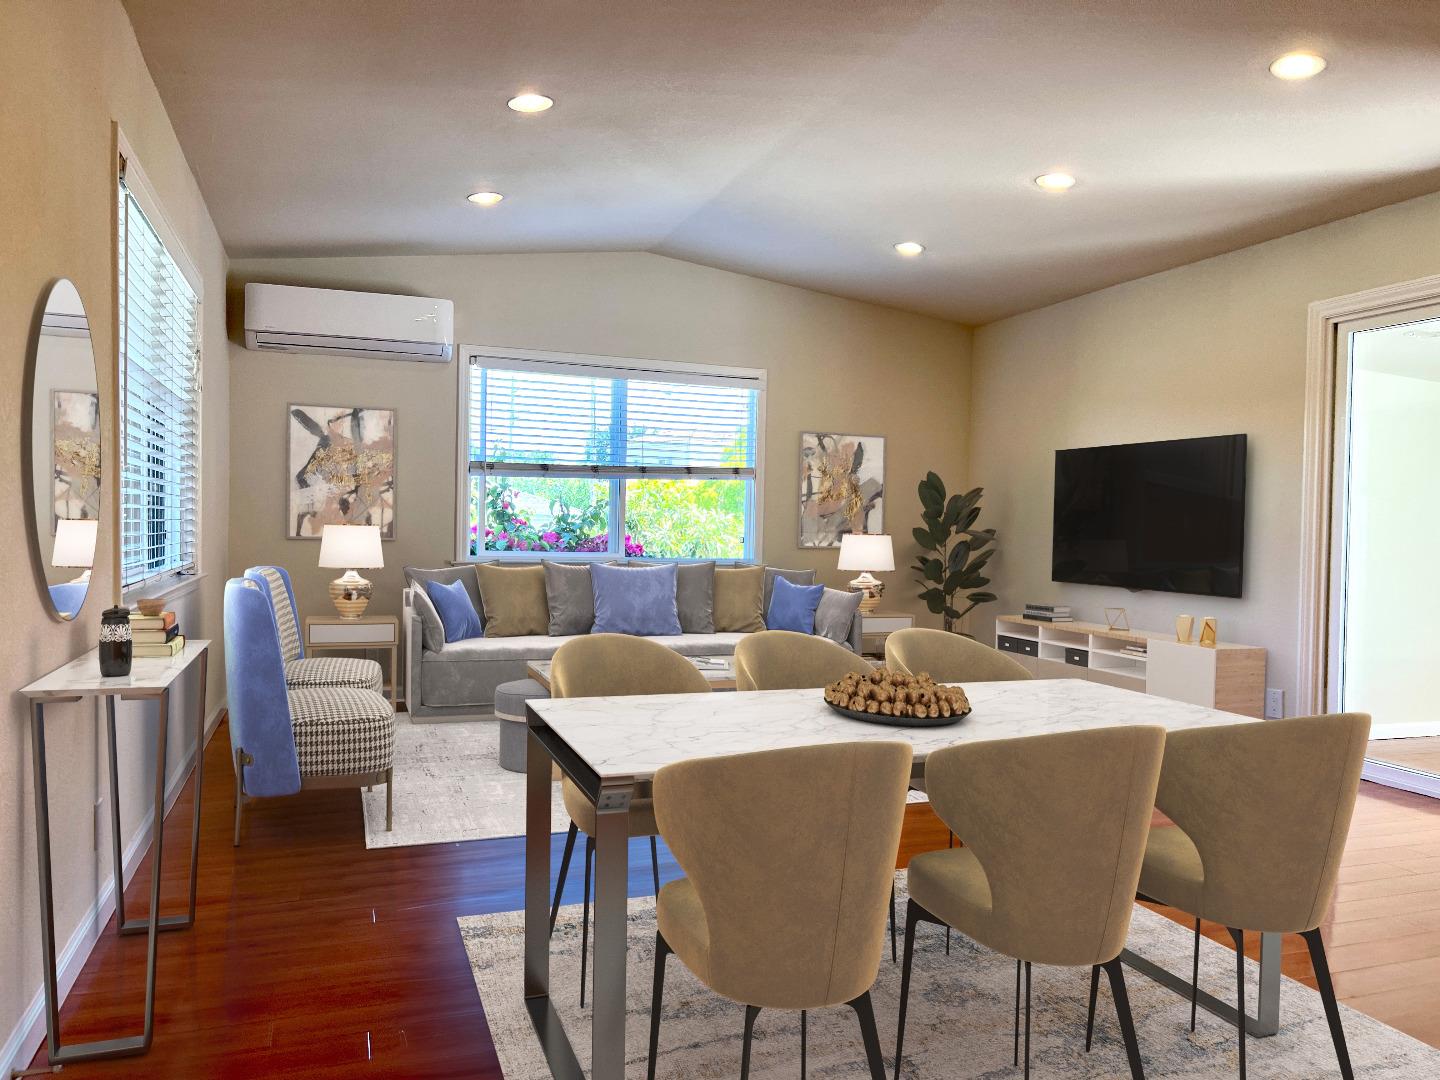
<point x="799" y="140"/>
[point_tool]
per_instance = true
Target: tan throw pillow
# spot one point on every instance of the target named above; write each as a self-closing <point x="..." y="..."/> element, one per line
<point x="738" y="594"/>
<point x="514" y="599"/>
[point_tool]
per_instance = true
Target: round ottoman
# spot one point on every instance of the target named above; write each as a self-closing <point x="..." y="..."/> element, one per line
<point x="510" y="699"/>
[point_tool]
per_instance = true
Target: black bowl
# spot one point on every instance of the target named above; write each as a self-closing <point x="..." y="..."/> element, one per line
<point x="900" y="721"/>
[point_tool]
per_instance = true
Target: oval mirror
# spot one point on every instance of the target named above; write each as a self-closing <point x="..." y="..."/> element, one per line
<point x="65" y="450"/>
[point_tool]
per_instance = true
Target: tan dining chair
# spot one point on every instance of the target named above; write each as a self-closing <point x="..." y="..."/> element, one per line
<point x="785" y="660"/>
<point x="949" y="658"/>
<point x="1054" y="828"/>
<point x="1261" y="813"/>
<point x="612" y="665"/>
<point x="788" y="856"/>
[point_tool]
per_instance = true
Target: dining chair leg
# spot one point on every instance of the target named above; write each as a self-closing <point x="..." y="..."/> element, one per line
<point x="1195" y="976"/>
<point x="655" y="865"/>
<point x="751" y="1011"/>
<point x="662" y="951"/>
<point x="1090" y="1016"/>
<point x="804" y="1041"/>
<point x="564" y="870"/>
<point x="865" y="1013"/>
<point x="1327" y="995"/>
<point x="1027" y="1020"/>
<point x="914" y="913"/>
<point x="893" y="956"/>
<point x="951" y="844"/>
<point x="1116" y="970"/>
<point x="585" y="916"/>
<point x="1239" y="938"/>
<point x="1019" y="967"/>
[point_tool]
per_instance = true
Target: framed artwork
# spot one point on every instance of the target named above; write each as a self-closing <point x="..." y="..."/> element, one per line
<point x="842" y="487"/>
<point x="74" y="455"/>
<point x="341" y="463"/>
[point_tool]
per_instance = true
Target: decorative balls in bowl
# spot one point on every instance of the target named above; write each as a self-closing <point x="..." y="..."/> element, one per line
<point x="890" y="697"/>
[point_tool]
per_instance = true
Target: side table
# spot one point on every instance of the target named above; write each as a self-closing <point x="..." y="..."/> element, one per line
<point x="150" y="679"/>
<point x="380" y="632"/>
<point x="876" y="626"/>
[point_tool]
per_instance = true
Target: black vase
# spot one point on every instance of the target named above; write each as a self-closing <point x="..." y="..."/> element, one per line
<point x="116" y="646"/>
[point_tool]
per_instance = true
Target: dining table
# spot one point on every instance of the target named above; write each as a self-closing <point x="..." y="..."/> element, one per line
<point x="611" y="747"/>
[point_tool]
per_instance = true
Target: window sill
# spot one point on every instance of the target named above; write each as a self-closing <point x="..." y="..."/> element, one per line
<point x="174" y="590"/>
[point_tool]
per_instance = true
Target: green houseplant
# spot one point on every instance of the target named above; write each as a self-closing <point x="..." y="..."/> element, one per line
<point x="953" y="552"/>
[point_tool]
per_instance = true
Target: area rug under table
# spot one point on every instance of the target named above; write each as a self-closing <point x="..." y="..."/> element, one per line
<point x="961" y="1021"/>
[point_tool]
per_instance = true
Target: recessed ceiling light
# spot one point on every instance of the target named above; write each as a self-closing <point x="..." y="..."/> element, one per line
<point x="485" y="198"/>
<point x="1055" y="181"/>
<point x="530" y="103"/>
<point x="909" y="248"/>
<point x="1297" y="65"/>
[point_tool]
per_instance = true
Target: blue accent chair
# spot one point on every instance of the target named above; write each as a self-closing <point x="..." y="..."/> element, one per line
<point x="288" y="738"/>
<point x="302" y="670"/>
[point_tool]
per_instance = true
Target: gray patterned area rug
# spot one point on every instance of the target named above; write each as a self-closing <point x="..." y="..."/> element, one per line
<point x="961" y="1021"/>
<point x="449" y="787"/>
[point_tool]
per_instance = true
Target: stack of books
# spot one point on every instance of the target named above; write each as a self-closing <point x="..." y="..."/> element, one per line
<point x="155" y="635"/>
<point x="1048" y="612"/>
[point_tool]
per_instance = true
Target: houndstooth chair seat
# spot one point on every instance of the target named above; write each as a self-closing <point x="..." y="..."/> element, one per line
<point x="341" y="731"/>
<point x="309" y="671"/>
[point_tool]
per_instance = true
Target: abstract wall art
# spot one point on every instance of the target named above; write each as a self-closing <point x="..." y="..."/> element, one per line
<point x="842" y="487"/>
<point x="341" y="469"/>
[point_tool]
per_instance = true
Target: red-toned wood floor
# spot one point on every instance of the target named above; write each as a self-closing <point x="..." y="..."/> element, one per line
<point x="313" y="957"/>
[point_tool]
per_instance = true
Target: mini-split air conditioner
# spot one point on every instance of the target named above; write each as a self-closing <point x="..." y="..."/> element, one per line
<point x="291" y="319"/>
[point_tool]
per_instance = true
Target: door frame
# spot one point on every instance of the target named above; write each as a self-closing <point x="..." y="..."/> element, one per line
<point x="1318" y="472"/>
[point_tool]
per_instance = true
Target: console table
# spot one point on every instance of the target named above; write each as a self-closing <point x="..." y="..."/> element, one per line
<point x="150" y="679"/>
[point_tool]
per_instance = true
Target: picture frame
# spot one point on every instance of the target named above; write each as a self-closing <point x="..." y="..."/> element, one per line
<point x="341" y="468"/>
<point x="842" y="487"/>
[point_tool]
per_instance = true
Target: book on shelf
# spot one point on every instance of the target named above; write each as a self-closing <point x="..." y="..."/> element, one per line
<point x="164" y="621"/>
<point x="154" y="637"/>
<point x="1038" y="616"/>
<point x="174" y="647"/>
<point x="1051" y="609"/>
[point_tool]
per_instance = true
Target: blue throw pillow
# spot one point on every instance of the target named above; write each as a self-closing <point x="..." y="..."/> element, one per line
<point x="635" y="600"/>
<point x="457" y="613"/>
<point x="792" y="607"/>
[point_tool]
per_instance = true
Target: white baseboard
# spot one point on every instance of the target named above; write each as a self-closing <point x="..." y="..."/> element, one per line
<point x="29" y="1032"/>
<point x="1396" y="776"/>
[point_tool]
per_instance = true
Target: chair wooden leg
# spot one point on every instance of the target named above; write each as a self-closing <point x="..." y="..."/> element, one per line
<point x="1115" y="969"/>
<point x="1327" y="995"/>
<point x="751" y="1012"/>
<point x="951" y="844"/>
<point x="564" y="869"/>
<point x="1195" y="976"/>
<point x="585" y="916"/>
<point x="914" y="913"/>
<point x="1090" y="1016"/>
<point x="1239" y="938"/>
<point x="865" y="1013"/>
<point x="655" y="865"/>
<point x="662" y="951"/>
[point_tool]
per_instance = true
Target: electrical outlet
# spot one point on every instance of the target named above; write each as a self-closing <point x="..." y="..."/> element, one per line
<point x="1274" y="704"/>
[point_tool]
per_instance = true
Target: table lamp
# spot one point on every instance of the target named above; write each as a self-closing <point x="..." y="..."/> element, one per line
<point x="346" y="547"/>
<point x="75" y="544"/>
<point x="867" y="552"/>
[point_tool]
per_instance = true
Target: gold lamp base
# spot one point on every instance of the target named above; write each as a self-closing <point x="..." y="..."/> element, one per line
<point x="872" y="587"/>
<point x="351" y="594"/>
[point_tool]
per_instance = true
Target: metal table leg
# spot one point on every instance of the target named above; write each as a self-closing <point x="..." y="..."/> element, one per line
<point x="1264" y="1023"/>
<point x="612" y="852"/>
<point x="105" y="1048"/>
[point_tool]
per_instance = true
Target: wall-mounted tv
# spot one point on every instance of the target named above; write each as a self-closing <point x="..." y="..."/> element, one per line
<point x="1168" y="516"/>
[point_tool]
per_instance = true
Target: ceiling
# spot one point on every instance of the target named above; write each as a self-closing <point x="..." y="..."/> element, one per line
<point x="799" y="140"/>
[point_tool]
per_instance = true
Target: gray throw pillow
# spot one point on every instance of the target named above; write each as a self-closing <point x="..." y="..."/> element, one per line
<point x="695" y="597"/>
<point x="836" y="614"/>
<point x="570" y="597"/>
<point x="416" y="576"/>
<point x="795" y="577"/>
<point x="432" y="629"/>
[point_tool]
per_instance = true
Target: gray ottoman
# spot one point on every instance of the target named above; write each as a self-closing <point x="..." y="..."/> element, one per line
<point x="510" y="699"/>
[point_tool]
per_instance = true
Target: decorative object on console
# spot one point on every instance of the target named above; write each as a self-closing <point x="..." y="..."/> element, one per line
<point x="1209" y="632"/>
<point x="1116" y="618"/>
<point x="1051" y="613"/>
<point x="867" y="552"/>
<point x="150" y="606"/>
<point x="956" y="557"/>
<point x="341" y="469"/>
<point x="842" y="487"/>
<point x="792" y="607"/>
<point x="348" y="548"/>
<point x="116" y="647"/>
<point x="1184" y="626"/>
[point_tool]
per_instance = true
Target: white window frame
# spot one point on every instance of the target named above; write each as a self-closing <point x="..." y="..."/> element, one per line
<point x="170" y="582"/>
<point x="563" y="363"/>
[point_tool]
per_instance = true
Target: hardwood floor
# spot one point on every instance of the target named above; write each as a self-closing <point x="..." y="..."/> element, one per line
<point x="313" y="957"/>
<point x="1422" y="754"/>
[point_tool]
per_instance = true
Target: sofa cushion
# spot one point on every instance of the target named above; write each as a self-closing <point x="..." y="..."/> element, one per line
<point x="570" y="598"/>
<point x="635" y="600"/>
<point x="341" y="731"/>
<point x="514" y="600"/>
<point x="835" y="615"/>
<point x="417" y="576"/>
<point x="694" y="595"/>
<point x="738" y="599"/>
<point x="457" y="614"/>
<point x="795" y="577"/>
<point x="432" y="630"/>
<point x="792" y="607"/>
<point x="334" y="671"/>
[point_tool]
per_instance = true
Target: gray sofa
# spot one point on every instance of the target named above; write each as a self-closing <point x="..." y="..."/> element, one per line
<point x="458" y="680"/>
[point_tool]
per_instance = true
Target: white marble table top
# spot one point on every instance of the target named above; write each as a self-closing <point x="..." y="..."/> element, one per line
<point x="633" y="736"/>
<point x="148" y="674"/>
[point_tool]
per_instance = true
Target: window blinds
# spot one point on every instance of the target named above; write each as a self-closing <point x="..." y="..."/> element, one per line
<point x="160" y="403"/>
<point x="617" y="423"/>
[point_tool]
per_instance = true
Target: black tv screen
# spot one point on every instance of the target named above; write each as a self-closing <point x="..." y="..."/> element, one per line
<point x="1168" y="516"/>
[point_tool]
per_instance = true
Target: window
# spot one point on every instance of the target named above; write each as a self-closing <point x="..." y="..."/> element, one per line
<point x="596" y="457"/>
<point x="159" y="344"/>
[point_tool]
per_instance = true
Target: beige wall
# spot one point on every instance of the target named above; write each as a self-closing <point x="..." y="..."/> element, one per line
<point x="67" y="72"/>
<point x="833" y="364"/>
<point x="1216" y="347"/>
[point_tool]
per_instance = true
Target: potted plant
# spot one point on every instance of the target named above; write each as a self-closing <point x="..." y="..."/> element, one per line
<point x="954" y="552"/>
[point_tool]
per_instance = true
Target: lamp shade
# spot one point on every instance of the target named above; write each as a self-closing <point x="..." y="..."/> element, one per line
<point x="75" y="542"/>
<point x="866" y="551"/>
<point x="351" y="546"/>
